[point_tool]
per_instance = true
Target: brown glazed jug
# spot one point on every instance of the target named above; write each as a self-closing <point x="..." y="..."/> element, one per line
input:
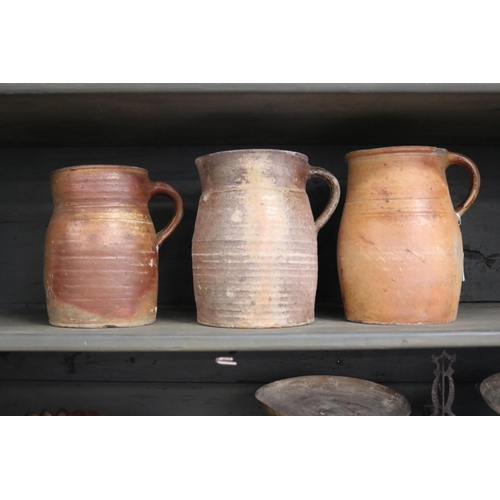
<point x="400" y="255"/>
<point x="101" y="249"/>
<point x="254" y="246"/>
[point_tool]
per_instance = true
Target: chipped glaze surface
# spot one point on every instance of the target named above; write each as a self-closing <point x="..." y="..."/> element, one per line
<point x="400" y="255"/>
<point x="254" y="245"/>
<point x="328" y="395"/>
<point x="101" y="249"/>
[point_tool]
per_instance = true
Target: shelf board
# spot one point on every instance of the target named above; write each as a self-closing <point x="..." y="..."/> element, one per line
<point x="90" y="88"/>
<point x="248" y="114"/>
<point x="478" y="325"/>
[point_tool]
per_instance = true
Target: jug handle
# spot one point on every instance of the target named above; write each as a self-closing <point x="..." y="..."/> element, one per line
<point x="167" y="190"/>
<point x="475" y="180"/>
<point x="334" y="186"/>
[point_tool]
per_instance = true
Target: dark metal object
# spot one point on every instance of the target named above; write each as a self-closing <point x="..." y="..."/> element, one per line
<point x="316" y="395"/>
<point x="441" y="398"/>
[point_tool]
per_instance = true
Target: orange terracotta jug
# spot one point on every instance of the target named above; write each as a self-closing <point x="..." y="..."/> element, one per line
<point x="400" y="254"/>
<point x="101" y="248"/>
<point x="255" y="262"/>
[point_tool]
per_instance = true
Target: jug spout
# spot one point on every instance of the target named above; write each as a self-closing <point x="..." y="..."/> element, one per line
<point x="254" y="247"/>
<point x="252" y="168"/>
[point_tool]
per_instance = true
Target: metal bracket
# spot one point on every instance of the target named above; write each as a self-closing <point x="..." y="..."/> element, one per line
<point x="228" y="360"/>
<point x="442" y="399"/>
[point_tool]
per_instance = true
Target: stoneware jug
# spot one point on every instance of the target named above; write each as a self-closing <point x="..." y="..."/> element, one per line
<point x="400" y="255"/>
<point x="254" y="246"/>
<point x="101" y="249"/>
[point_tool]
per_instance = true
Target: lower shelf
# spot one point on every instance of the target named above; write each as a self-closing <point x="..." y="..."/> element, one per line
<point x="19" y="398"/>
<point x="478" y="325"/>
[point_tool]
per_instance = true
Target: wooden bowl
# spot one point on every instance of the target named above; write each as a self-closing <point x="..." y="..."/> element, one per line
<point x="490" y="390"/>
<point x="330" y="395"/>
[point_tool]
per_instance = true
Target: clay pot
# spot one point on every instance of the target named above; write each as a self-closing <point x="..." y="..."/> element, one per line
<point x="400" y="255"/>
<point x="254" y="245"/>
<point x="330" y="395"/>
<point x="101" y="249"/>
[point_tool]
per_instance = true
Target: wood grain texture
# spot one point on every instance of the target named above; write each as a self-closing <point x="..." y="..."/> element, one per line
<point x="19" y="398"/>
<point x="382" y="366"/>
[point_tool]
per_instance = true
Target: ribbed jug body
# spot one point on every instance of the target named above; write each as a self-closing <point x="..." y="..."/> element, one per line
<point x="101" y="249"/>
<point x="254" y="247"/>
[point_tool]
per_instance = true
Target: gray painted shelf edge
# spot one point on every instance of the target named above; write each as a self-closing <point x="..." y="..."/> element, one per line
<point x="90" y="88"/>
<point x="478" y="325"/>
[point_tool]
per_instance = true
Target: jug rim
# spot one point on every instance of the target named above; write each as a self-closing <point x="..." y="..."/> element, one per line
<point x="98" y="166"/>
<point x="255" y="150"/>
<point x="394" y="149"/>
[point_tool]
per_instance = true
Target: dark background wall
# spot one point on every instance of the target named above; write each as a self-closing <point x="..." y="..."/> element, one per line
<point x="26" y="207"/>
<point x="193" y="384"/>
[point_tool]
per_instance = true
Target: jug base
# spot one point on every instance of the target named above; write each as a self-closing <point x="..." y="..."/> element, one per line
<point x="250" y="326"/>
<point x="400" y="323"/>
<point x="112" y="324"/>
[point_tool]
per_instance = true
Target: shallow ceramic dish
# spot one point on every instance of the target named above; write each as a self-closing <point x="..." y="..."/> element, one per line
<point x="316" y="395"/>
<point x="490" y="390"/>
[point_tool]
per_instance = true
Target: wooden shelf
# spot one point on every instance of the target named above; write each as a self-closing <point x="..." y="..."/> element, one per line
<point x="47" y="115"/>
<point x="92" y="88"/>
<point x="478" y="325"/>
<point x="168" y="367"/>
